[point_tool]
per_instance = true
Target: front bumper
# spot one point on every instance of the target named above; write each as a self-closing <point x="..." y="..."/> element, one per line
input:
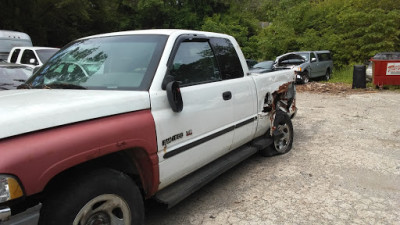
<point x="28" y="217"/>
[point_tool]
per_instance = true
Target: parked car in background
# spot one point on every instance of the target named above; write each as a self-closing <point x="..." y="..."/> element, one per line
<point x="32" y="56"/>
<point x="12" y="75"/>
<point x="10" y="39"/>
<point x="310" y="64"/>
<point x="263" y="67"/>
<point x="251" y="62"/>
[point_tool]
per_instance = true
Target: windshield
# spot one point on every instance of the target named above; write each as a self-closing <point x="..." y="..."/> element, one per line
<point x="306" y="56"/>
<point x="45" y="54"/>
<point x="264" y="65"/>
<point x="106" y="63"/>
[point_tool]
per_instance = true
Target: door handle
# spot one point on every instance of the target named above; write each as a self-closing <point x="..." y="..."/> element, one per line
<point x="227" y="95"/>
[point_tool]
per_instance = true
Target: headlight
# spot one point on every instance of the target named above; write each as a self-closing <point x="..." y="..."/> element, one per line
<point x="9" y="188"/>
<point x="297" y="68"/>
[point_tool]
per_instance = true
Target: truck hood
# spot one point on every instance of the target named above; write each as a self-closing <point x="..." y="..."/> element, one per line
<point x="289" y="60"/>
<point x="23" y="111"/>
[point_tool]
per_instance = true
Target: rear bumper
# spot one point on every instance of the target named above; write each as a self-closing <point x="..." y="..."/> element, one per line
<point x="28" y="217"/>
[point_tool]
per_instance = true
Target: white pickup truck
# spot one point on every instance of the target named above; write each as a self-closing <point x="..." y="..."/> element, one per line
<point x="116" y="118"/>
<point x="30" y="56"/>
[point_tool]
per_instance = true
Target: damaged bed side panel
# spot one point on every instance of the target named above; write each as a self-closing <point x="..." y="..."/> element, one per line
<point x="275" y="91"/>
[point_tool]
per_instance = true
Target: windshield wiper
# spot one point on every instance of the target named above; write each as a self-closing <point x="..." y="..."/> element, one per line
<point x="30" y="86"/>
<point x="63" y="86"/>
<point x="24" y="86"/>
<point x="51" y="86"/>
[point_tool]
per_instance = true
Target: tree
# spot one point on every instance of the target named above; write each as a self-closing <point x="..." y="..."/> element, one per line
<point x="354" y="30"/>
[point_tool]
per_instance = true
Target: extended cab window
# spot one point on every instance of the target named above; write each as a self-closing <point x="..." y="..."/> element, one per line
<point x="228" y="60"/>
<point x="27" y="56"/>
<point x="14" y="55"/>
<point x="195" y="63"/>
<point x="324" y="56"/>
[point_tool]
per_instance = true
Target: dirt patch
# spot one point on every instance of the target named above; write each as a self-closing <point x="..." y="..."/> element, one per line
<point x="332" y="88"/>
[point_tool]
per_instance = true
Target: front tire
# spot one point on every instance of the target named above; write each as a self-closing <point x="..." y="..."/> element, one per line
<point x="305" y="78"/>
<point x="103" y="197"/>
<point x="327" y="75"/>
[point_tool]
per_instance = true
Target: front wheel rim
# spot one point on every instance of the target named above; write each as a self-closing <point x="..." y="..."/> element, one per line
<point x="282" y="144"/>
<point x="107" y="209"/>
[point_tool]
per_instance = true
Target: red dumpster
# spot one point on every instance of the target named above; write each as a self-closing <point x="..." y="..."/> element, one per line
<point x="386" y="68"/>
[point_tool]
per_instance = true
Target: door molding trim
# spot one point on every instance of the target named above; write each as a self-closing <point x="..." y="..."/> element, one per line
<point x="208" y="138"/>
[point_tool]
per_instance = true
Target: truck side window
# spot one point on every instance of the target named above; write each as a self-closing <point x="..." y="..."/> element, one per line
<point x="228" y="60"/>
<point x="324" y="56"/>
<point x="27" y="56"/>
<point x="195" y="63"/>
<point x="14" y="55"/>
<point x="313" y="56"/>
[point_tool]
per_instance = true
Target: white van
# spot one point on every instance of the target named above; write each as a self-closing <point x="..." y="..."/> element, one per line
<point x="10" y="39"/>
<point x="31" y="56"/>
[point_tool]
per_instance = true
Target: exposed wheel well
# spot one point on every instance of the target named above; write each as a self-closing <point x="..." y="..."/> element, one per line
<point x="120" y="161"/>
<point x="304" y="72"/>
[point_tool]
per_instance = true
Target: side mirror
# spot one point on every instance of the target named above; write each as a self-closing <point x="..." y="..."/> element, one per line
<point x="174" y="96"/>
<point x="167" y="79"/>
<point x="313" y="59"/>
<point x="32" y="61"/>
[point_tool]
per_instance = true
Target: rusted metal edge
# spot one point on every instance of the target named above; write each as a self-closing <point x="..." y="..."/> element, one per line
<point x="283" y="99"/>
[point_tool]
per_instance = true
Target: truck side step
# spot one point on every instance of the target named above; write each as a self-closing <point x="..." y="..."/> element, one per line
<point x="181" y="189"/>
<point x="262" y="142"/>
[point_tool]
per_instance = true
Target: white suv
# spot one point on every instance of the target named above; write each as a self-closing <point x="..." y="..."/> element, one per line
<point x="31" y="56"/>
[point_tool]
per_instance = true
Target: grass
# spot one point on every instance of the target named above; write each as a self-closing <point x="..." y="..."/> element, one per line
<point x="345" y="75"/>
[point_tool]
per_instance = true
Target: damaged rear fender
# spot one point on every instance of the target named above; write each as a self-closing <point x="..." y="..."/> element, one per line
<point x="283" y="99"/>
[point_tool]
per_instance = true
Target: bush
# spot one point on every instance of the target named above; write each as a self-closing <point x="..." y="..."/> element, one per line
<point x="343" y="75"/>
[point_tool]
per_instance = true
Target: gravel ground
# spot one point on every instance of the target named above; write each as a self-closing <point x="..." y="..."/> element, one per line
<point x="344" y="168"/>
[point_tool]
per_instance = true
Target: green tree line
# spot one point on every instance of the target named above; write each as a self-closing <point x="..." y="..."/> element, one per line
<point x="353" y="30"/>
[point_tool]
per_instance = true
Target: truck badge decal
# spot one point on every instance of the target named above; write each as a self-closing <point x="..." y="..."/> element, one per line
<point x="171" y="139"/>
<point x="189" y="132"/>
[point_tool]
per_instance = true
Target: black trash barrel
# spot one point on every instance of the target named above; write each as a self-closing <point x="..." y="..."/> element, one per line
<point x="359" y="77"/>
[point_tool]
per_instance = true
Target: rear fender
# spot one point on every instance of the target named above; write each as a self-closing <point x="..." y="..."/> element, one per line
<point x="283" y="99"/>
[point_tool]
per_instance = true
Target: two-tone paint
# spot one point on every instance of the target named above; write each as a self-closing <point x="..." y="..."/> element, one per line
<point x="58" y="129"/>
